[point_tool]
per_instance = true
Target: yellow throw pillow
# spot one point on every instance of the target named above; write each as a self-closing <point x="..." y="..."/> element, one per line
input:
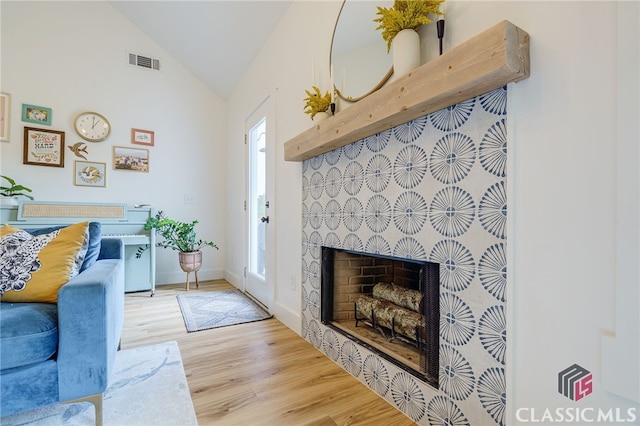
<point x="32" y="269"/>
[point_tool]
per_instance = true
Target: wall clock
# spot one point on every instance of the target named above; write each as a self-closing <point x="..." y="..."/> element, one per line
<point x="92" y="126"/>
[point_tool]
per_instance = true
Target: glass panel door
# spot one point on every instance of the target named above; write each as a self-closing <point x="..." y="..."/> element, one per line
<point x="257" y="198"/>
<point x="260" y="253"/>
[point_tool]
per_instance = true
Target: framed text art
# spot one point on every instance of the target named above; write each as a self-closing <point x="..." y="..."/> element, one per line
<point x="36" y="114"/>
<point x="43" y="147"/>
<point x="134" y="159"/>
<point x="142" y="137"/>
<point x="5" y="116"/>
<point x="90" y="173"/>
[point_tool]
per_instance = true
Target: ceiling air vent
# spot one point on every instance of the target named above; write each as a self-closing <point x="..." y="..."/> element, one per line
<point x="144" y="61"/>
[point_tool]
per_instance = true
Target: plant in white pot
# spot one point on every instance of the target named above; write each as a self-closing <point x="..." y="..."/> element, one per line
<point x="399" y="25"/>
<point x="317" y="104"/>
<point x="179" y="236"/>
<point x="12" y="190"/>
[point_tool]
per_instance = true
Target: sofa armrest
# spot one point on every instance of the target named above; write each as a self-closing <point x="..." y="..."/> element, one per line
<point x="111" y="248"/>
<point x="90" y="319"/>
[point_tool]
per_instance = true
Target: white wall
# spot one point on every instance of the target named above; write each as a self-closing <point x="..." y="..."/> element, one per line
<point x="564" y="190"/>
<point x="72" y="57"/>
<point x="283" y="71"/>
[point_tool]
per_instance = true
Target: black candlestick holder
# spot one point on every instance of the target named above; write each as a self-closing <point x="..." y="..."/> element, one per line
<point x="440" y="26"/>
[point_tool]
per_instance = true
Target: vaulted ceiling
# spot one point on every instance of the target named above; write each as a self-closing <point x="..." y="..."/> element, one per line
<point x="214" y="39"/>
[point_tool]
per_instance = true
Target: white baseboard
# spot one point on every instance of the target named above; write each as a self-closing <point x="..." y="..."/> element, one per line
<point x="287" y="317"/>
<point x="236" y="280"/>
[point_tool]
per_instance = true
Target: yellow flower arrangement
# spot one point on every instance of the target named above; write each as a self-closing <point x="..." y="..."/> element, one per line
<point x="405" y="14"/>
<point x="316" y="102"/>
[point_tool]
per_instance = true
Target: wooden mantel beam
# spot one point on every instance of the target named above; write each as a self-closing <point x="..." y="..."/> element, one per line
<point x="490" y="60"/>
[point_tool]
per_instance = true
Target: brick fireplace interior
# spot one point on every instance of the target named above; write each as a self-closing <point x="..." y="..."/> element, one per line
<point x="347" y="275"/>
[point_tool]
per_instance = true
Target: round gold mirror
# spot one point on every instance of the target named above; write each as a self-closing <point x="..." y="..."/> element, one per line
<point x="359" y="58"/>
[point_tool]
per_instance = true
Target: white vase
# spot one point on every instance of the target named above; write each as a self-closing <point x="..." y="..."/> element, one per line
<point x="320" y="116"/>
<point x="406" y="52"/>
<point x="8" y="201"/>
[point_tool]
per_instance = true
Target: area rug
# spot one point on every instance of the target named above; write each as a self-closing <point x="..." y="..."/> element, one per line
<point x="148" y="387"/>
<point x="212" y="309"/>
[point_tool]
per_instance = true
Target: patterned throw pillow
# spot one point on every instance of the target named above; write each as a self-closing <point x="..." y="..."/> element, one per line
<point x="33" y="268"/>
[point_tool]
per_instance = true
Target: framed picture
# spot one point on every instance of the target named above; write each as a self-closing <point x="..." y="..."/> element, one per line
<point x="135" y="159"/>
<point x="43" y="147"/>
<point x="142" y="137"/>
<point x="36" y="114"/>
<point x="90" y="173"/>
<point x="5" y="116"/>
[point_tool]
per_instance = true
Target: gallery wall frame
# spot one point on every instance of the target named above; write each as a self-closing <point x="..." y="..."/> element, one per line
<point x="43" y="147"/>
<point x="142" y="137"/>
<point x="132" y="159"/>
<point x="5" y="116"/>
<point x="90" y="173"/>
<point x="36" y="114"/>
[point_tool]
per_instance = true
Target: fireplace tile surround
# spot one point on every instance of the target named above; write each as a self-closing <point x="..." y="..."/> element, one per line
<point x="431" y="189"/>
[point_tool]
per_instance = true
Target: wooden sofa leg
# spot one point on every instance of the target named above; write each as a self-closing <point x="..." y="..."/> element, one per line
<point x="96" y="400"/>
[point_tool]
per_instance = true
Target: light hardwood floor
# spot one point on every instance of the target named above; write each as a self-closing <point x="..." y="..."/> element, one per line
<point x="259" y="373"/>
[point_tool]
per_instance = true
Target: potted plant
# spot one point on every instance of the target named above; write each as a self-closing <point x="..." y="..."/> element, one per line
<point x="400" y="23"/>
<point x="179" y="236"/>
<point x="13" y="190"/>
<point x="316" y="103"/>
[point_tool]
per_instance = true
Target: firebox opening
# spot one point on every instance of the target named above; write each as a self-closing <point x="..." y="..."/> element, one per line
<point x="389" y="305"/>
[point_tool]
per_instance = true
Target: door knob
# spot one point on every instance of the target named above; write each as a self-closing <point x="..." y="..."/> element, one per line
<point x="264" y="219"/>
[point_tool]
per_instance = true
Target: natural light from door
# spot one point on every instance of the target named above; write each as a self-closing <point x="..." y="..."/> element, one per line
<point x="257" y="189"/>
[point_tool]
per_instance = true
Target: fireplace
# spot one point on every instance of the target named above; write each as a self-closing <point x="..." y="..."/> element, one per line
<point x="430" y="190"/>
<point x="357" y="294"/>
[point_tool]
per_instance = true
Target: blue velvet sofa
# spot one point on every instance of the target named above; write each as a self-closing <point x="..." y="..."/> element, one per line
<point x="64" y="352"/>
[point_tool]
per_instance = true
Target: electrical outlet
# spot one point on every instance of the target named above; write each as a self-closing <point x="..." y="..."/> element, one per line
<point x="189" y="199"/>
<point x="293" y="284"/>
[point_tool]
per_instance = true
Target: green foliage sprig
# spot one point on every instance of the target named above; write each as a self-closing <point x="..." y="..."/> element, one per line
<point x="177" y="235"/>
<point x="405" y="14"/>
<point x="14" y="190"/>
<point x="316" y="102"/>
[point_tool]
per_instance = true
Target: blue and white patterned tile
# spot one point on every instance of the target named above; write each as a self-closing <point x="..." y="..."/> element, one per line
<point x="378" y="173"/>
<point x="493" y="149"/>
<point x="379" y="141"/>
<point x="376" y="374"/>
<point x="410" y="131"/>
<point x="495" y="101"/>
<point x="333" y="157"/>
<point x="457" y="264"/>
<point x="456" y="377"/>
<point x="331" y="345"/>
<point x="492" y="210"/>
<point x="410" y="166"/>
<point x="492" y="332"/>
<point x="333" y="182"/>
<point x="454" y="163"/>
<point x="378" y="213"/>
<point x="408" y="396"/>
<point x="410" y="211"/>
<point x="442" y="411"/>
<point x="350" y="358"/>
<point x="492" y="393"/>
<point x="451" y="118"/>
<point x="452" y="158"/>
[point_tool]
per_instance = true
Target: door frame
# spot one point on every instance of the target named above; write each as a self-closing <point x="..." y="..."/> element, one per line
<point x="265" y="108"/>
